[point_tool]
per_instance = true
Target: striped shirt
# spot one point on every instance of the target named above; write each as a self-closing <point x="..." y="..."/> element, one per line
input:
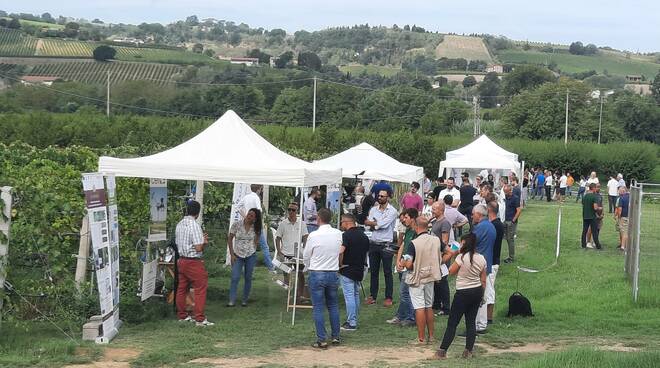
<point x="188" y="234"/>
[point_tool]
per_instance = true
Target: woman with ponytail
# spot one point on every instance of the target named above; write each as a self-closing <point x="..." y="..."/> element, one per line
<point x="470" y="268"/>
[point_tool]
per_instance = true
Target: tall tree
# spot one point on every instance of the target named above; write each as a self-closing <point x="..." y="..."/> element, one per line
<point x="489" y="89"/>
<point x="310" y="60"/>
<point x="655" y="87"/>
<point x="104" y="53"/>
<point x="525" y="77"/>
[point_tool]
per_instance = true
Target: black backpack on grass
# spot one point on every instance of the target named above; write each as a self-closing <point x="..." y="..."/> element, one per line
<point x="519" y="306"/>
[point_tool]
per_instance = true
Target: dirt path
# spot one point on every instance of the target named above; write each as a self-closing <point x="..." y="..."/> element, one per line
<point x="39" y="47"/>
<point x="112" y="358"/>
<point x="355" y="357"/>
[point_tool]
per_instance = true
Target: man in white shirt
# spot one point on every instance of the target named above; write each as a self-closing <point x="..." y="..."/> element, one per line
<point x="253" y="200"/>
<point x="452" y="191"/>
<point x="612" y="193"/>
<point x="309" y="210"/>
<point x="321" y="258"/>
<point x="381" y="220"/>
<point x="548" y="185"/>
<point x="288" y="242"/>
<point x="622" y="183"/>
<point x="562" y="186"/>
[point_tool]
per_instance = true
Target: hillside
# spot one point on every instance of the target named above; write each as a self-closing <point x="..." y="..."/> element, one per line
<point x="15" y="43"/>
<point x="604" y="62"/>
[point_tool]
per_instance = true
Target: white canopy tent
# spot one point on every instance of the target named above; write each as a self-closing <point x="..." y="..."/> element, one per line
<point x="482" y="153"/>
<point x="227" y="151"/>
<point x="375" y="164"/>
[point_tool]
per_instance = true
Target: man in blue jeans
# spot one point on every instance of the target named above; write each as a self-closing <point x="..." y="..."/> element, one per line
<point x="352" y="259"/>
<point x="321" y="258"/>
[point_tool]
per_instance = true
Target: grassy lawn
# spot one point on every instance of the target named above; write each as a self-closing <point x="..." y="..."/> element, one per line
<point x="584" y="316"/>
<point x="614" y="64"/>
<point x="386" y="71"/>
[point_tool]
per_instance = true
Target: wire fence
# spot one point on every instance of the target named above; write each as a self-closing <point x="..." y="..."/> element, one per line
<point x="642" y="258"/>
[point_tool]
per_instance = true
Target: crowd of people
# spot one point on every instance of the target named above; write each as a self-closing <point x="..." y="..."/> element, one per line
<point x="437" y="232"/>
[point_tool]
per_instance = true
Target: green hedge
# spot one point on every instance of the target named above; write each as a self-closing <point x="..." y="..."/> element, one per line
<point x="635" y="160"/>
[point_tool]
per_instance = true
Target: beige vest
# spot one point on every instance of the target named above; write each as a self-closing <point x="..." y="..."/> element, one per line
<point x="426" y="267"/>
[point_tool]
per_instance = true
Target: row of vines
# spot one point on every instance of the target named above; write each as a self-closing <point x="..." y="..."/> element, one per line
<point x="96" y="72"/>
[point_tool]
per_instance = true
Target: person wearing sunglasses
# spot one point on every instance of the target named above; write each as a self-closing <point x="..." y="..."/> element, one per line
<point x="288" y="240"/>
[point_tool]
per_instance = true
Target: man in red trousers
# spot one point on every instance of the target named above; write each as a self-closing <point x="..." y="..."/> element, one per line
<point x="191" y="241"/>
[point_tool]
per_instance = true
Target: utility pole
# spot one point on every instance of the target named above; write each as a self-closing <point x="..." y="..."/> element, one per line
<point x="475" y="110"/>
<point x="314" y="108"/>
<point x="566" y="125"/>
<point x="107" y="102"/>
<point x="600" y="119"/>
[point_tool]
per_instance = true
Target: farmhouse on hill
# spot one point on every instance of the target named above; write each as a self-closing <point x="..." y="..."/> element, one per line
<point x="39" y="79"/>
<point x="241" y="60"/>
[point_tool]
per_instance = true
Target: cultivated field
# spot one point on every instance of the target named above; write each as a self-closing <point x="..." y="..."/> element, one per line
<point x="15" y="44"/>
<point x="96" y="72"/>
<point x="386" y="71"/>
<point x="613" y="63"/>
<point x="469" y="48"/>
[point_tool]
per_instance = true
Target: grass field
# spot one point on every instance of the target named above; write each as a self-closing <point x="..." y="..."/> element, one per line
<point x="386" y="71"/>
<point x="610" y="62"/>
<point x="469" y="48"/>
<point x="584" y="317"/>
<point x="25" y="22"/>
<point x="96" y="72"/>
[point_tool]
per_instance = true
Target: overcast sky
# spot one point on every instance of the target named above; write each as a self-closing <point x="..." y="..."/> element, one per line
<point x="623" y="24"/>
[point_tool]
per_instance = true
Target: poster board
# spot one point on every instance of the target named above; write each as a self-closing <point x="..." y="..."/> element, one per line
<point x="101" y="204"/>
<point x="158" y="210"/>
<point x="5" y="225"/>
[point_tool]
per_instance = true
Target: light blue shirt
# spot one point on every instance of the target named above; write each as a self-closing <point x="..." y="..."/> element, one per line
<point x="385" y="221"/>
<point x="485" y="233"/>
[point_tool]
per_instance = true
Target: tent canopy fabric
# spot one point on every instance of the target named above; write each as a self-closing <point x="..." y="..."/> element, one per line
<point x="227" y="151"/>
<point x="482" y="153"/>
<point x="375" y="164"/>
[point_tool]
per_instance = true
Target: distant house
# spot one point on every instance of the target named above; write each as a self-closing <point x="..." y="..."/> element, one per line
<point x="639" y="88"/>
<point x="634" y="78"/>
<point x="39" y="79"/>
<point x="130" y="40"/>
<point x="241" y="60"/>
<point x="497" y="68"/>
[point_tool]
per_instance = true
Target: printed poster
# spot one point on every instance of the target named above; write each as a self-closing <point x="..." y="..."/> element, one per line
<point x="94" y="190"/>
<point x="158" y="210"/>
<point x="333" y="201"/>
<point x="149" y="271"/>
<point x="104" y="233"/>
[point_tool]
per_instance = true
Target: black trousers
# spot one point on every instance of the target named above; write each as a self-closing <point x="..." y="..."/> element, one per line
<point x="548" y="194"/>
<point x="593" y="224"/>
<point x="466" y="303"/>
<point x="376" y="257"/>
<point x="441" y="297"/>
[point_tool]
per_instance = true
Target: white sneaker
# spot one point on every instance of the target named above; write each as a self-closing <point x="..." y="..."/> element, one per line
<point x="590" y="245"/>
<point x="187" y="319"/>
<point x="204" y="323"/>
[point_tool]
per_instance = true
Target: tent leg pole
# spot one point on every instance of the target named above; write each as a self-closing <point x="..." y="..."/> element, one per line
<point x="83" y="253"/>
<point x="199" y="197"/>
<point x="295" y="289"/>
